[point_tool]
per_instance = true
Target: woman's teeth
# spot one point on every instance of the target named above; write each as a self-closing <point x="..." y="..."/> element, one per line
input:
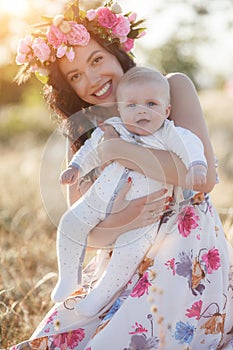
<point x="103" y="91"/>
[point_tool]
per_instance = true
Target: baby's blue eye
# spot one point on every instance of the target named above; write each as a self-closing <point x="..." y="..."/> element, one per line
<point x="151" y="104"/>
<point x="131" y="105"/>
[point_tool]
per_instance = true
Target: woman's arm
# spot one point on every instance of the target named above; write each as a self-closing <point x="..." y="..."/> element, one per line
<point x="187" y="112"/>
<point x="126" y="216"/>
<point x="165" y="166"/>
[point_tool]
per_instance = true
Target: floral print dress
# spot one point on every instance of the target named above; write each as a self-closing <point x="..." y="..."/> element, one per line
<point x="180" y="297"/>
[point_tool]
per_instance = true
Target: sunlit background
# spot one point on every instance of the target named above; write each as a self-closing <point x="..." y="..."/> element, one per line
<point x="202" y="28"/>
<point x="191" y="36"/>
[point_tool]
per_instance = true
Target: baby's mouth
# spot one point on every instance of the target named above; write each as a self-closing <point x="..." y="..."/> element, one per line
<point x="143" y="121"/>
<point x="104" y="89"/>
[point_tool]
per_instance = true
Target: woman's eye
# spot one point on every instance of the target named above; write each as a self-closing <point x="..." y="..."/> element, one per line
<point x="97" y="60"/>
<point x="151" y="104"/>
<point x="76" y="76"/>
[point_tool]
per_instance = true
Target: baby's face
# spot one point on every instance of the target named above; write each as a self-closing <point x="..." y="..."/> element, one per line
<point x="143" y="107"/>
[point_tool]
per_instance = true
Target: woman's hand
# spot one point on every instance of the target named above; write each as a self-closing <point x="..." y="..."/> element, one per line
<point x="138" y="212"/>
<point x="128" y="215"/>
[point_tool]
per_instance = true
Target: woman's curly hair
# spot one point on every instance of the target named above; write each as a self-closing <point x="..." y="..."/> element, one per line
<point x="64" y="102"/>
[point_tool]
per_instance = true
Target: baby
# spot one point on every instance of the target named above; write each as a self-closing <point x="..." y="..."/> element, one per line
<point x="144" y="106"/>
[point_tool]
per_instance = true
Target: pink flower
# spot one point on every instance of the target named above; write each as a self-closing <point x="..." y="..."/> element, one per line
<point x="63" y="50"/>
<point x="122" y="27"/>
<point x="106" y="17"/>
<point x="132" y="17"/>
<point x="24" y="50"/>
<point x="128" y="45"/>
<point x="78" y="35"/>
<point x="24" y="45"/>
<point x="141" y="287"/>
<point x="41" y="49"/>
<point x="212" y="260"/>
<point x="56" y="37"/>
<point x="22" y="58"/>
<point x="195" y="310"/>
<point x="69" y="339"/>
<point x="187" y="220"/>
<point x="138" y="329"/>
<point x="70" y="54"/>
<point x="91" y="14"/>
<point x="171" y="265"/>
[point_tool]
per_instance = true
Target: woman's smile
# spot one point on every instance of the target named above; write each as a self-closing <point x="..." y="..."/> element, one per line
<point x="104" y="91"/>
<point x="94" y="74"/>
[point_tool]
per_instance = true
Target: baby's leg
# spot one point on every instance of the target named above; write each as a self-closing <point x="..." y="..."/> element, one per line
<point x="129" y="251"/>
<point x="74" y="227"/>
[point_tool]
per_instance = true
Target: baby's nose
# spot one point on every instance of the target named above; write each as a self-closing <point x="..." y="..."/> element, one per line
<point x="141" y="110"/>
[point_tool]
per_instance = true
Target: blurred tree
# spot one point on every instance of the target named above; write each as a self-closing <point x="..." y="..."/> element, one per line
<point x="191" y="22"/>
<point x="172" y="57"/>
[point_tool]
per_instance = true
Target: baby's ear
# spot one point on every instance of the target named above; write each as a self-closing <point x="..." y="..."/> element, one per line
<point x="168" y="110"/>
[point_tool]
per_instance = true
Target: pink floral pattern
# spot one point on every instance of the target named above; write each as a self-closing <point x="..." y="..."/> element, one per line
<point x="141" y="287"/>
<point x="55" y="37"/>
<point x="128" y="44"/>
<point x="106" y="17"/>
<point x="212" y="260"/>
<point x="60" y="34"/>
<point x="78" y="35"/>
<point x="185" y="303"/>
<point x="24" y="50"/>
<point x="171" y="265"/>
<point x="41" y="49"/>
<point x="138" y="329"/>
<point x="187" y="221"/>
<point x="122" y="27"/>
<point x="69" y="339"/>
<point x="195" y="310"/>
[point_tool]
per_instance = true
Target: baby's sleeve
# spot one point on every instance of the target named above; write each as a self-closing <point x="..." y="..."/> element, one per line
<point x="186" y="145"/>
<point x="87" y="158"/>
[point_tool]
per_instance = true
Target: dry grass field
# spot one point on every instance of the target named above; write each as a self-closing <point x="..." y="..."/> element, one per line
<point x="28" y="226"/>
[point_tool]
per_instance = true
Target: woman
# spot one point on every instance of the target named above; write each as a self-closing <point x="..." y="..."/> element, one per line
<point x="181" y="294"/>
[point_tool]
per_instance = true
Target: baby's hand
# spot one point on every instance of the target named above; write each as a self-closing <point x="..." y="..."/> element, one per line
<point x="196" y="175"/>
<point x="69" y="176"/>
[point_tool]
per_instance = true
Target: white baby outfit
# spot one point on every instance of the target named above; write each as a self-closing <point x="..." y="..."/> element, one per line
<point x="94" y="206"/>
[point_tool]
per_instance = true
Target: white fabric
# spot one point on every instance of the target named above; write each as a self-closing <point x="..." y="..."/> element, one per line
<point x="185" y="144"/>
<point x="92" y="208"/>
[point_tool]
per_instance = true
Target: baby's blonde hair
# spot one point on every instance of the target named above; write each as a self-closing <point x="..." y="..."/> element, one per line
<point x="143" y="74"/>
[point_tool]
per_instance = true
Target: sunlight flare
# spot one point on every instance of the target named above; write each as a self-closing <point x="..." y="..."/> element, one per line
<point x="18" y="7"/>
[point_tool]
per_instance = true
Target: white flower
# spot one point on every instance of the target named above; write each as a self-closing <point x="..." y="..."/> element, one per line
<point x="115" y="8"/>
<point x="58" y="19"/>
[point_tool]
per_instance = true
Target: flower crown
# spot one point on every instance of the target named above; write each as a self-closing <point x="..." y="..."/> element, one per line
<point x="57" y="36"/>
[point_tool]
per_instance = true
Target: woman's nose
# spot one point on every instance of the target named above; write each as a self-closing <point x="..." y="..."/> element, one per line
<point x="93" y="78"/>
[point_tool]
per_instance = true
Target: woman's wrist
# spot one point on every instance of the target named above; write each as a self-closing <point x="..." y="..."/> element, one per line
<point x="106" y="232"/>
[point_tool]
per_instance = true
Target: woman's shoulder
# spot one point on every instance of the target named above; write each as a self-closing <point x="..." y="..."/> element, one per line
<point x="180" y="80"/>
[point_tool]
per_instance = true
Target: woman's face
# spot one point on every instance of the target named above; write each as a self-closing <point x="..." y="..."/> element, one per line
<point x="94" y="73"/>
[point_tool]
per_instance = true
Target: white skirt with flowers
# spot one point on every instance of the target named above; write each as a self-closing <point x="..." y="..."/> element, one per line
<point x="181" y="299"/>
